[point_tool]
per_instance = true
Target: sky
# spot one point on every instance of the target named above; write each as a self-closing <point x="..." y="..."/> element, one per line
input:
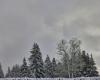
<point x="23" y="22"/>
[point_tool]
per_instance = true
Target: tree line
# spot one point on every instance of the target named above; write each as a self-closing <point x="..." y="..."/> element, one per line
<point x="74" y="62"/>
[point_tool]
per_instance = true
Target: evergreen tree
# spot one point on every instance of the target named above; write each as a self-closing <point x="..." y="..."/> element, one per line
<point x="1" y="72"/>
<point x="86" y="67"/>
<point x="89" y="68"/>
<point x="36" y="62"/>
<point x="8" y="74"/>
<point x="15" y="72"/>
<point x="80" y="65"/>
<point x="48" y="68"/>
<point x="93" y="69"/>
<point x="25" y="72"/>
<point x="84" y="70"/>
<point x="54" y="67"/>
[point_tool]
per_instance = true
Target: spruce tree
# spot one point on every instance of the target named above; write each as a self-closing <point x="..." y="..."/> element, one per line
<point x="86" y="67"/>
<point x="54" y="67"/>
<point x="36" y="62"/>
<point x="89" y="68"/>
<point x="15" y="72"/>
<point x="1" y="72"/>
<point x="93" y="70"/>
<point x="8" y="74"/>
<point x="48" y="68"/>
<point x="24" y="71"/>
<point x="84" y="70"/>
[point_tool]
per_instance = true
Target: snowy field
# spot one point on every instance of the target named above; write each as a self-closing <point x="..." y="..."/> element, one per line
<point x="88" y="78"/>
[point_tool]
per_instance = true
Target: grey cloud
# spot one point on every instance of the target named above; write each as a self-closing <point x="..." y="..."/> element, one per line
<point x="46" y="22"/>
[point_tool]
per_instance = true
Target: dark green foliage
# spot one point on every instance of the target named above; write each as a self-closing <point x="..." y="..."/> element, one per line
<point x="36" y="62"/>
<point x="24" y="70"/>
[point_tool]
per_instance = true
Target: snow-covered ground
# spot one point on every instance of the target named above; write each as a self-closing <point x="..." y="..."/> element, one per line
<point x="88" y="78"/>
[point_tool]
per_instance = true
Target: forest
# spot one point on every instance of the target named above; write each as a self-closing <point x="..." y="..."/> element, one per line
<point x="74" y="62"/>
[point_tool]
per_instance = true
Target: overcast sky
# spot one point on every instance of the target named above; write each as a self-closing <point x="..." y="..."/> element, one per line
<point x="23" y="22"/>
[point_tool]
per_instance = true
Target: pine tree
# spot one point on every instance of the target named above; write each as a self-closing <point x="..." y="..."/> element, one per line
<point x="54" y="67"/>
<point x="48" y="68"/>
<point x="25" y="72"/>
<point x="8" y="74"/>
<point x="1" y="72"/>
<point x="36" y="62"/>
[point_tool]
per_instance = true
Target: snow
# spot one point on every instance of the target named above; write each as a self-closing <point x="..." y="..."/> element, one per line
<point x="82" y="78"/>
